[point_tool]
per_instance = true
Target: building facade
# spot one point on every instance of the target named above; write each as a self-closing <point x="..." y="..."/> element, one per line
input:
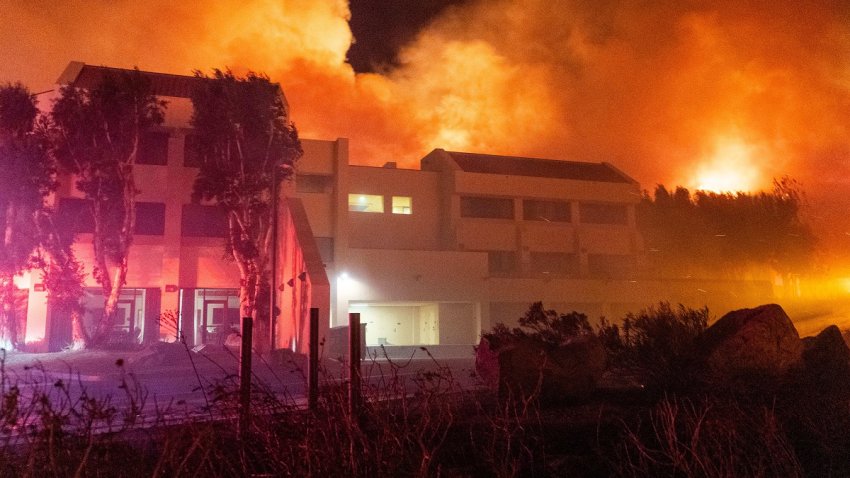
<point x="428" y="256"/>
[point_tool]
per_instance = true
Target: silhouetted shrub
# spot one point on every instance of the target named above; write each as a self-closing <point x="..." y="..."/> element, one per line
<point x="659" y="345"/>
<point x="541" y="325"/>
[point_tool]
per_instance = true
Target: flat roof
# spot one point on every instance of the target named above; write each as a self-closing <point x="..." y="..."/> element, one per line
<point x="85" y="76"/>
<point x="537" y="167"/>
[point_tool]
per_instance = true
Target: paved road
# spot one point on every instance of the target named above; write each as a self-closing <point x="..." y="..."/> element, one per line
<point x="175" y="384"/>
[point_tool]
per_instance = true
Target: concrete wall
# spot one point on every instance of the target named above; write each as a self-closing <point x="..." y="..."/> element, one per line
<point x="391" y="275"/>
<point x="416" y="231"/>
<point x="458" y="324"/>
<point x="303" y="283"/>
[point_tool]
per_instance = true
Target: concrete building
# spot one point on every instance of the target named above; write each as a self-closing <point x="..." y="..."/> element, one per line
<point x="436" y="255"/>
<point x="428" y="256"/>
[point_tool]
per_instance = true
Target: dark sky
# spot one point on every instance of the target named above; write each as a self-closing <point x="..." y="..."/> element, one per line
<point x="382" y="27"/>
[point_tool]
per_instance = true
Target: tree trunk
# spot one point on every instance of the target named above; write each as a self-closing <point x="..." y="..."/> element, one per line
<point x="79" y="337"/>
<point x="110" y="304"/>
<point x="9" y="324"/>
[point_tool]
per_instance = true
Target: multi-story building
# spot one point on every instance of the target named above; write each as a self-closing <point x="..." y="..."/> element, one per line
<point x="428" y="256"/>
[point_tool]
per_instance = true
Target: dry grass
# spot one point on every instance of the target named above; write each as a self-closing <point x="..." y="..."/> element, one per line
<point x="411" y="424"/>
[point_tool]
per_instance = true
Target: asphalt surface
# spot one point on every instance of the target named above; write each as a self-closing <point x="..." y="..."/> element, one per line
<point x="168" y="382"/>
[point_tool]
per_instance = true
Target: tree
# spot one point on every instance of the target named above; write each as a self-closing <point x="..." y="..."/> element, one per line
<point x="63" y="276"/>
<point x="246" y="146"/>
<point x="96" y="136"/>
<point x="26" y="178"/>
<point x="712" y="232"/>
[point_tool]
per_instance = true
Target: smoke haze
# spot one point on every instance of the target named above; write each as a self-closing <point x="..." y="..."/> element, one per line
<point x="719" y="95"/>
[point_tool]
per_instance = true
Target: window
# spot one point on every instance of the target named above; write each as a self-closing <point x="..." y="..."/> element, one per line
<point x="501" y="262"/>
<point x="153" y="148"/>
<point x="402" y="205"/>
<point x="209" y="316"/>
<point x="549" y="211"/>
<point x="203" y="221"/>
<point x="150" y="218"/>
<point x="554" y="263"/>
<point x="312" y="183"/>
<point x="191" y="157"/>
<point x="489" y="208"/>
<point x="600" y="213"/>
<point x="75" y="215"/>
<point x="365" y="203"/>
<point x="610" y="265"/>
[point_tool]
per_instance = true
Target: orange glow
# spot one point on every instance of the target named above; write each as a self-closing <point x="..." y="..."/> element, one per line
<point x="730" y="167"/>
<point x="644" y="85"/>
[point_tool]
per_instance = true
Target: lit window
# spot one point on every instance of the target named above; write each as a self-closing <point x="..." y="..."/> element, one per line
<point x="402" y="205"/>
<point x="365" y="203"/>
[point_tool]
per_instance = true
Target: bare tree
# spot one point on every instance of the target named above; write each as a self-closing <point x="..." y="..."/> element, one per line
<point x="246" y="146"/>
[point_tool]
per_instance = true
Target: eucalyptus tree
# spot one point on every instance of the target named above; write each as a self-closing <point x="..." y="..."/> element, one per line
<point x="26" y="178"/>
<point x="96" y="137"/>
<point x="63" y="275"/>
<point x="246" y="147"/>
<point x="725" y="232"/>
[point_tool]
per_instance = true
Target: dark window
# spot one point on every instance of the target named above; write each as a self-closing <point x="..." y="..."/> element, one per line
<point x="312" y="183"/>
<point x="75" y="215"/>
<point x="203" y="221"/>
<point x="501" y="262"/>
<point x="326" y="248"/>
<point x="489" y="208"/>
<point x="150" y="218"/>
<point x="191" y="158"/>
<point x="599" y="213"/>
<point x="153" y="148"/>
<point x="550" y="211"/>
<point x="610" y="265"/>
<point x="554" y="263"/>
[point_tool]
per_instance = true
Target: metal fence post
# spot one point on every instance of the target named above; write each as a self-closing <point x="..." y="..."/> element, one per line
<point x="313" y="366"/>
<point x="245" y="375"/>
<point x="354" y="355"/>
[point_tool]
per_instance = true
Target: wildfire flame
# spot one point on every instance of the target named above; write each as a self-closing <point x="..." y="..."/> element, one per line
<point x="731" y="167"/>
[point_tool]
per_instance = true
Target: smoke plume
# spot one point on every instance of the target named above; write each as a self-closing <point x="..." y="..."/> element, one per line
<point x="719" y="95"/>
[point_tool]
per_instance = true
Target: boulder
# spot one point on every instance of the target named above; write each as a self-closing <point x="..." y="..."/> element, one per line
<point x="745" y="343"/>
<point x="161" y="354"/>
<point x="563" y="372"/>
<point x="827" y="358"/>
<point x="233" y="340"/>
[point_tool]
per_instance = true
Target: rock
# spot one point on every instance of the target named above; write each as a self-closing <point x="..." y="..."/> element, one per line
<point x="827" y="358"/>
<point x="758" y="342"/>
<point x="162" y="354"/>
<point x="289" y="360"/>
<point x="561" y="372"/>
<point x="233" y="340"/>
